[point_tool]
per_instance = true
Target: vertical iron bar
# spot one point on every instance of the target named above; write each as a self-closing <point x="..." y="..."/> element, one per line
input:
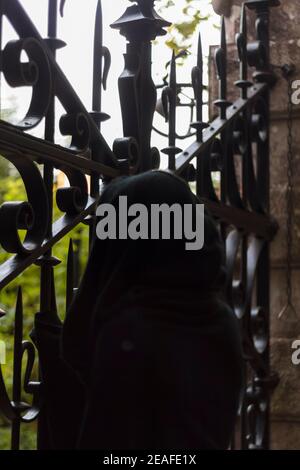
<point x="169" y="101"/>
<point x="97" y="59"/>
<point x="243" y="31"/>
<point x="262" y="10"/>
<point x="70" y="275"/>
<point x="96" y="102"/>
<point x="97" y="85"/>
<point x="17" y="369"/>
<point x="199" y="97"/>
<point x="50" y="117"/>
<point x="46" y="288"/>
<point x="263" y="174"/>
<point x="221" y="64"/>
<point x="243" y="59"/>
<point x="222" y="104"/>
<point x="199" y="125"/>
<point x="223" y="71"/>
<point x="243" y="84"/>
<point x="172" y="113"/>
<point x="241" y="40"/>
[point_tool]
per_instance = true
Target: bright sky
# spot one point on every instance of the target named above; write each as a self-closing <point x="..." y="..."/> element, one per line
<point x="77" y="29"/>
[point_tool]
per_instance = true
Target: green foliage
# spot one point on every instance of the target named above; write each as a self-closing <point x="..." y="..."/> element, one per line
<point x="181" y="32"/>
<point x="5" y="114"/>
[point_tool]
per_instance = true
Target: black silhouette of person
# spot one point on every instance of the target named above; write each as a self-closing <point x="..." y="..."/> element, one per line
<point x="149" y="355"/>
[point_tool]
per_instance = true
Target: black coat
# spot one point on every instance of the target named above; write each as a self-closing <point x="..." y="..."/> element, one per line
<point x="149" y="356"/>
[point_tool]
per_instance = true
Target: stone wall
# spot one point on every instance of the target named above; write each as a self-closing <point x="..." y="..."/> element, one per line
<point x="285" y="48"/>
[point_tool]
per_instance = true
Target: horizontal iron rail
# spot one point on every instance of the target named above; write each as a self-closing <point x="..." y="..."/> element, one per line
<point x="12" y="140"/>
<point x="246" y="221"/>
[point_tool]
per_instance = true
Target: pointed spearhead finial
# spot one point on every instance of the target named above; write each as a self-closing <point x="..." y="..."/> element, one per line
<point x="61" y="7"/>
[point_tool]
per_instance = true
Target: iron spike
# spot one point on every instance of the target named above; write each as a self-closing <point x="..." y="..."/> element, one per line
<point x="173" y="73"/>
<point x="200" y="52"/>
<point x="98" y="51"/>
<point x="243" y="21"/>
<point x="173" y="95"/>
<point x="243" y="28"/>
<point x="61" y="7"/>
<point x="200" y="82"/>
<point x="70" y="275"/>
<point x="18" y="337"/>
<point x="223" y="76"/>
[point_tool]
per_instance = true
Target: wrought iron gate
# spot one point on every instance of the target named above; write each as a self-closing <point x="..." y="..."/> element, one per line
<point x="241" y="204"/>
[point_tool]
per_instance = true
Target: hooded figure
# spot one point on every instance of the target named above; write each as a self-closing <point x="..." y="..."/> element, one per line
<point x="149" y="355"/>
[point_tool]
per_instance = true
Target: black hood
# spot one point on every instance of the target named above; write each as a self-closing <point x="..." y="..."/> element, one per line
<point x="149" y="272"/>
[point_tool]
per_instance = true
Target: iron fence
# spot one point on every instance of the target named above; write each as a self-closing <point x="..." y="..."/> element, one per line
<point x="235" y="146"/>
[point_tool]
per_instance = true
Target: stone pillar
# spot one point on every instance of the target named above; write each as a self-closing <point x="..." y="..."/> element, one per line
<point x="285" y="49"/>
<point x="285" y="37"/>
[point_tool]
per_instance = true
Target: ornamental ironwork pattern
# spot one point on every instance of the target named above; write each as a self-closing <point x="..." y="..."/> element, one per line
<point x="240" y="204"/>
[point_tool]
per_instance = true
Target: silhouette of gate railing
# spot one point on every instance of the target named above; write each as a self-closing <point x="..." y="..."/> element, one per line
<point x="241" y="205"/>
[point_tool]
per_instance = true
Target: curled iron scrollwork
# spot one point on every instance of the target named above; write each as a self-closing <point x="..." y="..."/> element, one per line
<point x="35" y="73"/>
<point x="73" y="199"/>
<point x="31" y="215"/>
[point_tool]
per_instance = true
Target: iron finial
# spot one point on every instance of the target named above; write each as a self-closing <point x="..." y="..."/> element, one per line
<point x="61" y="7"/>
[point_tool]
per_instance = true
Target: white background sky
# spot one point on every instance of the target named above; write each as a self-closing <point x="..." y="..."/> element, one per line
<point x="76" y="28"/>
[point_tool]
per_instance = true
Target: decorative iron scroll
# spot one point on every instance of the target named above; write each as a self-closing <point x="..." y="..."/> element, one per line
<point x="240" y="204"/>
